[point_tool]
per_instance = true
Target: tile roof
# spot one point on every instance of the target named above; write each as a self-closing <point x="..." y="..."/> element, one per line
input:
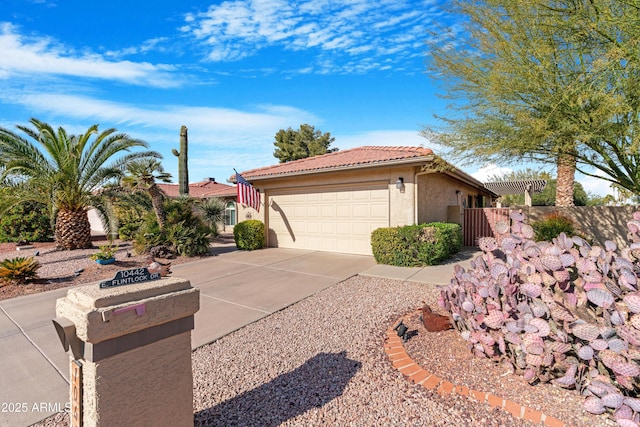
<point x="208" y="188"/>
<point x="361" y="156"/>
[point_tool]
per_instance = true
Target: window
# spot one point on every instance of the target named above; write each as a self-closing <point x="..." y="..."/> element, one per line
<point x="230" y="214"/>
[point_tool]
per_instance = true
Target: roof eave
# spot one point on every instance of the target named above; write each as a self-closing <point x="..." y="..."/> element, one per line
<point x="465" y="177"/>
<point x="413" y="160"/>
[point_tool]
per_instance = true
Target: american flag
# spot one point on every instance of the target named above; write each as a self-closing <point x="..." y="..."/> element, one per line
<point x="247" y="194"/>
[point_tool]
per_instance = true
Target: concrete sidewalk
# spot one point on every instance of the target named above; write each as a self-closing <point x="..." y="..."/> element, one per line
<point x="434" y="275"/>
<point x="236" y="289"/>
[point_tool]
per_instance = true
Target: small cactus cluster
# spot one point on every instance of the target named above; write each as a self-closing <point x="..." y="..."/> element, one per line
<point x="562" y="311"/>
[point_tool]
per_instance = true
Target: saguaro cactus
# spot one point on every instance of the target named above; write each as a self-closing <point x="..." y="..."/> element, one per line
<point x="183" y="171"/>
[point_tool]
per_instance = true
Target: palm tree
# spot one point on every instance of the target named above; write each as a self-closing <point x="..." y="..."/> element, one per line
<point x="66" y="173"/>
<point x="142" y="175"/>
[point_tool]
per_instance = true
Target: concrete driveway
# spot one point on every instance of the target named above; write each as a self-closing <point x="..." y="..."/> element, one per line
<point x="236" y="288"/>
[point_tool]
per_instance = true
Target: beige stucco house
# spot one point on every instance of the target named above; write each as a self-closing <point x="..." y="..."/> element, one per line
<point x="334" y="201"/>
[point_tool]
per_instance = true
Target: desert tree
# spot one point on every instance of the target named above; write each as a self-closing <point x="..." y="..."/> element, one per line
<point x="302" y="143"/>
<point x="533" y="81"/>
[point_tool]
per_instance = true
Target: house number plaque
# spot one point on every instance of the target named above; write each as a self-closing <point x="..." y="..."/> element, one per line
<point x="76" y="393"/>
<point x="129" y="277"/>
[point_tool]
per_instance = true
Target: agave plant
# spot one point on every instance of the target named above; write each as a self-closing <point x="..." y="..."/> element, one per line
<point x="562" y="311"/>
<point x="18" y="270"/>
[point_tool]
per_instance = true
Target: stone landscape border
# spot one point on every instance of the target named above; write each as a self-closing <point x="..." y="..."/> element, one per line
<point x="393" y="347"/>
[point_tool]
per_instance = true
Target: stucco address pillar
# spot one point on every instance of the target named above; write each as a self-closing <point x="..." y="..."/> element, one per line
<point x="134" y="348"/>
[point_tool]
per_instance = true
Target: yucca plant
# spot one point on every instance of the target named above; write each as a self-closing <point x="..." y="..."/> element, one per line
<point x="18" y="271"/>
<point x="212" y="212"/>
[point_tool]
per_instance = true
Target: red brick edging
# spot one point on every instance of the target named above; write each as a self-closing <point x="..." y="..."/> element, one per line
<point x="409" y="368"/>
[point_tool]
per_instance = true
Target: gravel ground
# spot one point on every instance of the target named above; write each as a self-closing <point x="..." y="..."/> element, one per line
<point x="321" y="362"/>
<point x="59" y="269"/>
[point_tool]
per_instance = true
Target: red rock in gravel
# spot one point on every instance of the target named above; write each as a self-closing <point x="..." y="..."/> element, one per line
<point x="435" y="322"/>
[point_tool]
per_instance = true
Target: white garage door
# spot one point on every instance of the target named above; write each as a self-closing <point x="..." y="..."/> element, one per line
<point x="335" y="219"/>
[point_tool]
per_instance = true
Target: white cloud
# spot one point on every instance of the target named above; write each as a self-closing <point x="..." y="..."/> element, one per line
<point x="486" y="172"/>
<point x="207" y="120"/>
<point x="40" y="56"/>
<point x="351" y="31"/>
<point x="154" y="44"/>
<point x="594" y="185"/>
<point x="219" y="138"/>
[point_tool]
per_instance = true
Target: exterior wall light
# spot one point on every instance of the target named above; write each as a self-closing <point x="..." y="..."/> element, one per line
<point x="400" y="184"/>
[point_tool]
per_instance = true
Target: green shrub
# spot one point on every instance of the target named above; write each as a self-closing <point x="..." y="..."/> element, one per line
<point x="27" y="221"/>
<point x="18" y="270"/>
<point x="187" y="239"/>
<point x="416" y="245"/>
<point x="184" y="234"/>
<point x="127" y="231"/>
<point x="131" y="210"/>
<point x="452" y="236"/>
<point x="148" y="234"/>
<point x="551" y="226"/>
<point x="249" y="235"/>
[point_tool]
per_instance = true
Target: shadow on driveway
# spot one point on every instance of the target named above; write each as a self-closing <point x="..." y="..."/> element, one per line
<point x="315" y="383"/>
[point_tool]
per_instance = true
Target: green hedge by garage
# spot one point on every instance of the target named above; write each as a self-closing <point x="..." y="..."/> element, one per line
<point x="249" y="235"/>
<point x="416" y="245"/>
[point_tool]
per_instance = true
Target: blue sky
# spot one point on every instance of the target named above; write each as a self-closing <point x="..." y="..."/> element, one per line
<point x="234" y="72"/>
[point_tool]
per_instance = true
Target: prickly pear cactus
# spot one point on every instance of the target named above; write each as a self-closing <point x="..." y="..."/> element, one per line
<point x="183" y="168"/>
<point x="561" y="311"/>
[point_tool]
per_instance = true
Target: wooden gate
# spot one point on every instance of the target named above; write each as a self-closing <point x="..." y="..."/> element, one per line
<point x="481" y="222"/>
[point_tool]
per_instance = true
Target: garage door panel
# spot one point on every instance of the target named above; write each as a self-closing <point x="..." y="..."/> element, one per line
<point x="361" y="228"/>
<point x="362" y="195"/>
<point x="328" y="228"/>
<point x="328" y="211"/>
<point x="343" y="211"/>
<point x="313" y="228"/>
<point x="378" y="212"/>
<point x="329" y="218"/>
<point x="343" y="228"/>
<point x="361" y="211"/>
<point x="342" y="196"/>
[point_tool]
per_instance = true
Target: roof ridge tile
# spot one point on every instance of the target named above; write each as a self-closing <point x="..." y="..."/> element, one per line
<point x="367" y="154"/>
